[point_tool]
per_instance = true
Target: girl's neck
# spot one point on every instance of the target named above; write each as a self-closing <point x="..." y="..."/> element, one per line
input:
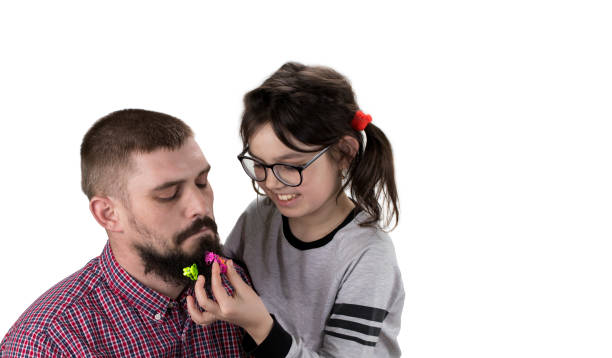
<point x="316" y="225"/>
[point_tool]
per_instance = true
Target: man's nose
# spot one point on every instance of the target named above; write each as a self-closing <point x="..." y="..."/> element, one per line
<point x="200" y="203"/>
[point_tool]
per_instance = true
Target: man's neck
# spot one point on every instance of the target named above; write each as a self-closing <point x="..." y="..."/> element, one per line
<point x="132" y="264"/>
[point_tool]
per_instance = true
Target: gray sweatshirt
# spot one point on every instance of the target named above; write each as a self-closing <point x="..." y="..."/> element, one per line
<point x="339" y="296"/>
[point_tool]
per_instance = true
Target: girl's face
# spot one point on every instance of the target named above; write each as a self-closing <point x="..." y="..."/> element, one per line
<point x="320" y="181"/>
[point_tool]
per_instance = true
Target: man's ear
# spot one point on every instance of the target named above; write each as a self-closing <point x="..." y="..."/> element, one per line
<point x="348" y="146"/>
<point x="106" y="212"/>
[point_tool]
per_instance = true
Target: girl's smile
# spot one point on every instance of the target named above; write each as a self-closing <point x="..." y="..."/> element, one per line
<point x="285" y="200"/>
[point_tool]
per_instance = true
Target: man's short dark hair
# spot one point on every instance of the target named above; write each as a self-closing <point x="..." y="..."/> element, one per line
<point x="109" y="144"/>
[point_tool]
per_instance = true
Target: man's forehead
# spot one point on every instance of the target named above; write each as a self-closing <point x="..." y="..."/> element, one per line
<point x="165" y="164"/>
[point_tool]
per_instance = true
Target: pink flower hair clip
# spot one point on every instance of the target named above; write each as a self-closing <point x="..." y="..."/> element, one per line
<point x="211" y="257"/>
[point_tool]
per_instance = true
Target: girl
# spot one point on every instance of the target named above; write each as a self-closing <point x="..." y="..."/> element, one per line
<point x="326" y="273"/>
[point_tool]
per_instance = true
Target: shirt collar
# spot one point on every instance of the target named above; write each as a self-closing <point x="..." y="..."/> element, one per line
<point x="147" y="301"/>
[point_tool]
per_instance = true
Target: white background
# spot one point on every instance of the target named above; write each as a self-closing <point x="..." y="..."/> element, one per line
<point x="499" y="113"/>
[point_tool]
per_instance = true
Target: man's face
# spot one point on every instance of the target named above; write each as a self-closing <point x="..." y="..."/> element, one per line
<point x="169" y="210"/>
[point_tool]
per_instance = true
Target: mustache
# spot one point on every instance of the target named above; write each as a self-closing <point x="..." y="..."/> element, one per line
<point x="196" y="226"/>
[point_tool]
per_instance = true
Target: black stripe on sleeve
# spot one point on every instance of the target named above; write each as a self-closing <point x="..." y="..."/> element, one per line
<point x="353" y="326"/>
<point x="358" y="311"/>
<point x="350" y="338"/>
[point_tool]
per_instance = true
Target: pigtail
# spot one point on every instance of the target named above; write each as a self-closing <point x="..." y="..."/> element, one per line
<point x="372" y="179"/>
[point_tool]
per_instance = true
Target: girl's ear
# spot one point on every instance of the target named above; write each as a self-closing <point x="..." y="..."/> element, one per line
<point x="348" y="147"/>
<point x="106" y="213"/>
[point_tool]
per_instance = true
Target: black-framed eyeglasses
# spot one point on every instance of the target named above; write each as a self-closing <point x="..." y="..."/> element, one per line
<point x="290" y="175"/>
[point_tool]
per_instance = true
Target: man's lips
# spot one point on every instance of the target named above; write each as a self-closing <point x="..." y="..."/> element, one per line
<point x="198" y="228"/>
<point x="204" y="230"/>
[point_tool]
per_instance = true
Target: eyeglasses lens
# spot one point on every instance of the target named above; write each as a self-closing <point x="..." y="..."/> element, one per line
<point x="253" y="169"/>
<point x="288" y="175"/>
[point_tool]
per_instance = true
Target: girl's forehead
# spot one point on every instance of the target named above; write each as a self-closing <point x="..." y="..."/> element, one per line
<point x="265" y="144"/>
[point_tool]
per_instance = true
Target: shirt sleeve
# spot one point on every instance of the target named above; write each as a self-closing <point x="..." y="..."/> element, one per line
<point x="365" y="318"/>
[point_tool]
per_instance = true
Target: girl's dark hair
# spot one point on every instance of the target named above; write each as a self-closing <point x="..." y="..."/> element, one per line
<point x="315" y="105"/>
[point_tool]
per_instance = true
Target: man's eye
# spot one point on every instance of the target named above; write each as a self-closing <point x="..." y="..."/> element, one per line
<point x="202" y="181"/>
<point x="168" y="196"/>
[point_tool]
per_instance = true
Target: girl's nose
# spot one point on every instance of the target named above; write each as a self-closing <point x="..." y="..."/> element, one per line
<point x="271" y="181"/>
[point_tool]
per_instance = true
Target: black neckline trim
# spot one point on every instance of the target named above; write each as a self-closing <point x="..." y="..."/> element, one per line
<point x="301" y="245"/>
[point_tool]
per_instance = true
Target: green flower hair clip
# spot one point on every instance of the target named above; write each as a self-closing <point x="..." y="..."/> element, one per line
<point x="191" y="272"/>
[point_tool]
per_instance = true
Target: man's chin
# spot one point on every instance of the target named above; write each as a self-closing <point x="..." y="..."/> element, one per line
<point x="170" y="264"/>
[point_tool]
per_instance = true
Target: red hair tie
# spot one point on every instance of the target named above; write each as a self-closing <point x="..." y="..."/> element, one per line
<point x="360" y="121"/>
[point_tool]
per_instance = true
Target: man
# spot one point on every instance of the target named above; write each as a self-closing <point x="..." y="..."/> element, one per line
<point x="147" y="183"/>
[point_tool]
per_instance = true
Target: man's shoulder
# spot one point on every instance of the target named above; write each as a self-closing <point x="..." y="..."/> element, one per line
<point x="69" y="291"/>
<point x="31" y="327"/>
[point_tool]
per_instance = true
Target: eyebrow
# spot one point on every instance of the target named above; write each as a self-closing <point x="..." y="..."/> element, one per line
<point x="178" y="182"/>
<point x="283" y="157"/>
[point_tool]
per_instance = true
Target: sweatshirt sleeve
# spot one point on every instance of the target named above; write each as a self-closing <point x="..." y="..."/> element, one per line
<point x="365" y="318"/>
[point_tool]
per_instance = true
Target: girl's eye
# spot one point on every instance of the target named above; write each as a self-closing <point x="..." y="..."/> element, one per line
<point x="201" y="185"/>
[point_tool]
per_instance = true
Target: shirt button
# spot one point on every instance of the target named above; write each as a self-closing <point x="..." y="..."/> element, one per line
<point x="172" y="304"/>
<point x="158" y="316"/>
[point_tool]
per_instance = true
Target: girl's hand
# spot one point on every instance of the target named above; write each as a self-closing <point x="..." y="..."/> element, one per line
<point x="244" y="309"/>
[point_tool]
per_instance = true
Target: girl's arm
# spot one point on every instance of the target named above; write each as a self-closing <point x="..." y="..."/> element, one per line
<point x="364" y="321"/>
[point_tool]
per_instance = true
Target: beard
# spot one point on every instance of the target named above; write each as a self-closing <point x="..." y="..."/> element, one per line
<point x="169" y="265"/>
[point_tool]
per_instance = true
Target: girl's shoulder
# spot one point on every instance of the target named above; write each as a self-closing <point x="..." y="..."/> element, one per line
<point x="371" y="234"/>
<point x="258" y="221"/>
<point x="356" y="239"/>
<point x="261" y="206"/>
<point x="261" y="211"/>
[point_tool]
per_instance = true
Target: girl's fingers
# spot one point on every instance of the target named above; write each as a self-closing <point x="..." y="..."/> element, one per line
<point x="199" y="317"/>
<point x="203" y="300"/>
<point x="235" y="279"/>
<point x="217" y="288"/>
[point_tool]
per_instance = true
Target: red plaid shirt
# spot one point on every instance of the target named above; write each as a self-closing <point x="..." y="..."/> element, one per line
<point x="103" y="311"/>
